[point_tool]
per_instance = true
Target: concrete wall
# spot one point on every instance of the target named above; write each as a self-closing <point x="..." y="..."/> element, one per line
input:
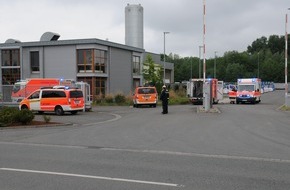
<point x="25" y="68"/>
<point x="60" y="62"/>
<point x="120" y="71"/>
<point x="54" y="62"/>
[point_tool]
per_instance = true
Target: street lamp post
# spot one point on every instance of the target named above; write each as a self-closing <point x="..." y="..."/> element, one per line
<point x="286" y="60"/>
<point x="164" y="33"/>
<point x="258" y="64"/>
<point x="190" y="68"/>
<point x="214" y="65"/>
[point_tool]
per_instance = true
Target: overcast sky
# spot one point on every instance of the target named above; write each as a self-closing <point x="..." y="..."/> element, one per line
<point x="230" y="24"/>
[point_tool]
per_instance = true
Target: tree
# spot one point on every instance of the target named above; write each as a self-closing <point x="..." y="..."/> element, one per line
<point x="152" y="72"/>
<point x="272" y="69"/>
<point x="276" y="43"/>
<point x="234" y="71"/>
<point x="265" y="56"/>
<point x="258" y="45"/>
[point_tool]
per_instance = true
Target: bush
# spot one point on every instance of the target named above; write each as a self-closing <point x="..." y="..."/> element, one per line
<point x="177" y="97"/>
<point x="8" y="116"/>
<point x="98" y="99"/>
<point x="129" y="99"/>
<point x="109" y="98"/>
<point x="24" y="116"/>
<point x="175" y="87"/>
<point x="46" y="118"/>
<point x="120" y="98"/>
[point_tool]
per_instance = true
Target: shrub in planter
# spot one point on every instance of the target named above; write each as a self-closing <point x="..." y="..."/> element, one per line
<point x="98" y="99"/>
<point x="46" y="118"/>
<point x="129" y="100"/>
<point x="8" y="116"/>
<point x="24" y="116"/>
<point x="120" y="98"/>
<point x="109" y="98"/>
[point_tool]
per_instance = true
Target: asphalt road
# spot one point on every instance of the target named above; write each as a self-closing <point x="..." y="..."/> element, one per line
<point x="243" y="147"/>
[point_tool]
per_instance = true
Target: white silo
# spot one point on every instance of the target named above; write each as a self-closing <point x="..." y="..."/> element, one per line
<point x="134" y="26"/>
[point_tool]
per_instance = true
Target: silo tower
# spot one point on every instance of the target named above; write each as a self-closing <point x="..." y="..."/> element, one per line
<point x="134" y="26"/>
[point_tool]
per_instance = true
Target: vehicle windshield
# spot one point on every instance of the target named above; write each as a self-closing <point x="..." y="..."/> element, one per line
<point x="16" y="88"/>
<point x="246" y="88"/>
<point x="146" y="91"/>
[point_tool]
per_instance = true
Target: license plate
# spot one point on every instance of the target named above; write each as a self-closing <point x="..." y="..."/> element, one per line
<point x="77" y="101"/>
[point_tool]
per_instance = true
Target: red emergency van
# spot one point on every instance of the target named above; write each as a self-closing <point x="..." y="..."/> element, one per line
<point x="54" y="100"/>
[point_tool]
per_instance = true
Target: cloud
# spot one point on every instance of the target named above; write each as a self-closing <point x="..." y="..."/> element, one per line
<point x="230" y="24"/>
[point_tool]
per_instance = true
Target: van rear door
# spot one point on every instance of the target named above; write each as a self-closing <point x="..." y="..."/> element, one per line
<point x="76" y="99"/>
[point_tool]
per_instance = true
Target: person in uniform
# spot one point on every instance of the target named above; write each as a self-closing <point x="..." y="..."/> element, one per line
<point x="164" y="97"/>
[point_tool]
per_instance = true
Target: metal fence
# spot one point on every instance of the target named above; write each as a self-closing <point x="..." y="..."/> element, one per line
<point x="5" y="93"/>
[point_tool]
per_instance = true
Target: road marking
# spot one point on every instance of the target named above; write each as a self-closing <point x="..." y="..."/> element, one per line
<point x="219" y="156"/>
<point x="117" y="117"/>
<point x="44" y="145"/>
<point x="202" y="155"/>
<point x="92" y="177"/>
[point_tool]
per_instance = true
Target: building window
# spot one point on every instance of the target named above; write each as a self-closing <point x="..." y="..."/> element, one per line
<point x="34" y="61"/>
<point x="100" y="86"/>
<point x="97" y="85"/>
<point x="10" y="76"/>
<point x="11" y="58"/>
<point x="100" y="61"/>
<point x="91" y="61"/>
<point x="85" y="60"/>
<point x="88" y="80"/>
<point x="136" y="65"/>
<point x="10" y="66"/>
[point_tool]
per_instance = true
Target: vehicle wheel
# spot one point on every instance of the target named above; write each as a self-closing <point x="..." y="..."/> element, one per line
<point x="154" y="105"/>
<point x="40" y="112"/>
<point x="58" y="110"/>
<point x="24" y="107"/>
<point x="74" y="112"/>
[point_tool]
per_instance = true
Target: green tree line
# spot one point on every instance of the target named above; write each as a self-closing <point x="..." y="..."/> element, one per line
<point x="264" y="58"/>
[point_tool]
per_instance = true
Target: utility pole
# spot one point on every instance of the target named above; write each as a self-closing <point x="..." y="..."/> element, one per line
<point x="258" y="64"/>
<point x="286" y="61"/>
<point x="199" y="65"/>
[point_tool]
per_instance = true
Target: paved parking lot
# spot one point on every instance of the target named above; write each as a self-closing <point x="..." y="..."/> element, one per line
<point x="245" y="146"/>
<point x="97" y="115"/>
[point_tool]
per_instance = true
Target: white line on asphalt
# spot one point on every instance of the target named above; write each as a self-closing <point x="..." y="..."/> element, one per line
<point x="101" y="122"/>
<point x="219" y="156"/>
<point x="44" y="145"/>
<point x="92" y="177"/>
<point x="202" y="155"/>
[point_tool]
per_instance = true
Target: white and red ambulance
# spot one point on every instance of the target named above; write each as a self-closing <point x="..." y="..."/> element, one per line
<point x="249" y="90"/>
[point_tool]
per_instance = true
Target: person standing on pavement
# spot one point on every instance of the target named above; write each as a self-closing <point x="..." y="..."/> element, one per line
<point x="164" y="97"/>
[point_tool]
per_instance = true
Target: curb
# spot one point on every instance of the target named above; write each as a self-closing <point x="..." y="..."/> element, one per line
<point x="36" y="126"/>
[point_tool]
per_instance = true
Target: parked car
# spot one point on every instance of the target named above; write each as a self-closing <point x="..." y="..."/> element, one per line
<point x="54" y="100"/>
<point x="145" y="96"/>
